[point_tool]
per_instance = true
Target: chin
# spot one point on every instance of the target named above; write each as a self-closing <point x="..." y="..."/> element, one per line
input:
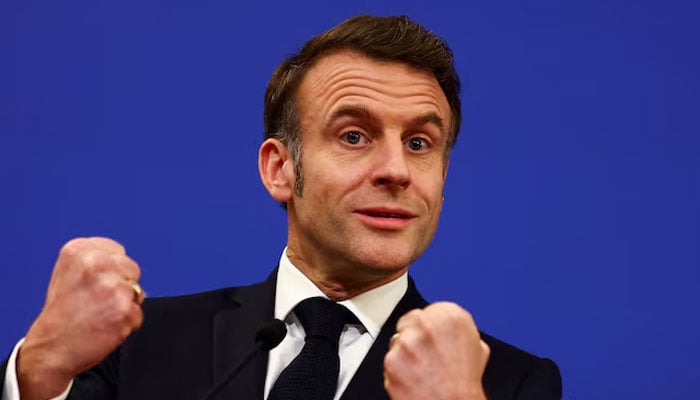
<point x="384" y="263"/>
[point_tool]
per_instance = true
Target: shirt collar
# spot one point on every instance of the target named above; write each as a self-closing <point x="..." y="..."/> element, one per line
<point x="372" y="307"/>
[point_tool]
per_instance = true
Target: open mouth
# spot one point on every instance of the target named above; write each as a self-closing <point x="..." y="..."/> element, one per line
<point x="385" y="219"/>
<point x="386" y="215"/>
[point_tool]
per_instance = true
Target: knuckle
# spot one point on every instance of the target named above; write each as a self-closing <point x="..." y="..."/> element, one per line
<point x="450" y="317"/>
<point x="113" y="245"/>
<point x="131" y="266"/>
<point x="138" y="318"/>
<point x="456" y="316"/>
<point x="137" y="269"/>
<point x="103" y="241"/>
<point x="96" y="260"/>
<point x="123" y="309"/>
<point x="462" y="320"/>
<point x="409" y="316"/>
<point x="486" y="348"/>
<point x="390" y="362"/>
<point x="74" y="246"/>
<point x="124" y="332"/>
<point x="452" y="309"/>
<point x="422" y="321"/>
<point x="106" y="245"/>
<point x="87" y="268"/>
<point x="126" y="265"/>
<point x="412" y="344"/>
<point x="129" y="322"/>
<point x="109" y="287"/>
<point x="99" y="262"/>
<point x="118" y="260"/>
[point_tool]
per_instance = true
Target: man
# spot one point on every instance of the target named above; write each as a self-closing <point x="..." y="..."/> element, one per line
<point x="359" y="127"/>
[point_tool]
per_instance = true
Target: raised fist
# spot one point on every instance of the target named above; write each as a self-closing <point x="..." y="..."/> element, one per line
<point x="436" y="353"/>
<point x="92" y="305"/>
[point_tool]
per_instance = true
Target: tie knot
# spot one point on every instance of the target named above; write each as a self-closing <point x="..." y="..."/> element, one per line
<point x="323" y="317"/>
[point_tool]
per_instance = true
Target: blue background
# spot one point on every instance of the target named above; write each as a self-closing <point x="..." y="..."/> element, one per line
<point x="571" y="223"/>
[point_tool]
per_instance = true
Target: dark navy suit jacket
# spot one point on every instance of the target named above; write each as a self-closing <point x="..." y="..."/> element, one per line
<point x="188" y="343"/>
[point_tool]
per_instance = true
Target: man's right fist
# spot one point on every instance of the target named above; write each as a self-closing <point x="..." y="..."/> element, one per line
<point x="92" y="305"/>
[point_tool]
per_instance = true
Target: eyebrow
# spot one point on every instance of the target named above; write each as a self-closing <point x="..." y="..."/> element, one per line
<point x="354" y="111"/>
<point x="429" y="118"/>
<point x="363" y="113"/>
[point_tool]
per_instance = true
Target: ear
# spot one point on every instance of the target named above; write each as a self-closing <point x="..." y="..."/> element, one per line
<point x="276" y="170"/>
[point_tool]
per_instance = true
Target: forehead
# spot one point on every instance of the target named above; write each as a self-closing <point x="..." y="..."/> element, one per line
<point x="348" y="77"/>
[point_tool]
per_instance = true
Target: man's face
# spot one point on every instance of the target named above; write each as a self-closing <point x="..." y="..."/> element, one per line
<point x="374" y="137"/>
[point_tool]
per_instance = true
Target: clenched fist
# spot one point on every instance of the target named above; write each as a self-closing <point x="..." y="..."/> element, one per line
<point x="93" y="303"/>
<point x="437" y="353"/>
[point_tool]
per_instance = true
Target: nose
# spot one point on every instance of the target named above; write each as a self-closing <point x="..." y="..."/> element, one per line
<point x="391" y="168"/>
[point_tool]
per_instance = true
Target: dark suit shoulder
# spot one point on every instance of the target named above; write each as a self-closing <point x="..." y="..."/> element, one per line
<point x="195" y="305"/>
<point x="512" y="373"/>
<point x="178" y="338"/>
<point x="186" y="318"/>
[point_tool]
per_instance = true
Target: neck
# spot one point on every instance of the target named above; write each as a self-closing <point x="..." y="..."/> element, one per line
<point x="341" y="282"/>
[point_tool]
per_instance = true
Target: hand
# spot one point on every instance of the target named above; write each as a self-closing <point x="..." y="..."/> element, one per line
<point x="436" y="353"/>
<point x="93" y="303"/>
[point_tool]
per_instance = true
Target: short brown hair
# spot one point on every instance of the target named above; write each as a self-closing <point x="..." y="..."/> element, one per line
<point x="395" y="38"/>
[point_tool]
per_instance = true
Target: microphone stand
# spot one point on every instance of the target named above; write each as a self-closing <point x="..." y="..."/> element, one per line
<point x="267" y="338"/>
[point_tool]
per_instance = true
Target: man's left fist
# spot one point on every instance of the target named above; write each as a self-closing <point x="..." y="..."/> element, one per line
<point x="436" y="353"/>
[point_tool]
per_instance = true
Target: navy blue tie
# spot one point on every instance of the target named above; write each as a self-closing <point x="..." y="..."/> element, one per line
<point x="313" y="374"/>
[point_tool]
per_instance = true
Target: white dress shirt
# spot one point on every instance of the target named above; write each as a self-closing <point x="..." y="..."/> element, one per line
<point x="372" y="309"/>
<point x="10" y="390"/>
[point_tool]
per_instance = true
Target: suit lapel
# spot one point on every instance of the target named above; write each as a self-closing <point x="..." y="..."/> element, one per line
<point x="234" y="336"/>
<point x="368" y="382"/>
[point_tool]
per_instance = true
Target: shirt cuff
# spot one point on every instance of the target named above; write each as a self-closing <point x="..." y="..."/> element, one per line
<point x="10" y="389"/>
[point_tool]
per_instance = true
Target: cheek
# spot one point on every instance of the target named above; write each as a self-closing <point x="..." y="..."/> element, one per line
<point x="432" y="188"/>
<point x="332" y="180"/>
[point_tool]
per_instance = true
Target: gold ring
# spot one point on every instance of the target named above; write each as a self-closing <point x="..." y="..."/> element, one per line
<point x="394" y="339"/>
<point x="138" y="292"/>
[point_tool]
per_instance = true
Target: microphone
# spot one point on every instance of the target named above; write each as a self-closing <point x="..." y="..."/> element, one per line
<point x="271" y="334"/>
<point x="267" y="338"/>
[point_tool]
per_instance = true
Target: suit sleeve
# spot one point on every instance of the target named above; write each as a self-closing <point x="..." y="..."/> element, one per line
<point x="543" y="382"/>
<point x="513" y="374"/>
<point x="9" y="386"/>
<point x="99" y="382"/>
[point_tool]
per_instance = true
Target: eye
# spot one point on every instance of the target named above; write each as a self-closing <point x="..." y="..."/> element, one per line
<point x="353" y="137"/>
<point x="417" y="144"/>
